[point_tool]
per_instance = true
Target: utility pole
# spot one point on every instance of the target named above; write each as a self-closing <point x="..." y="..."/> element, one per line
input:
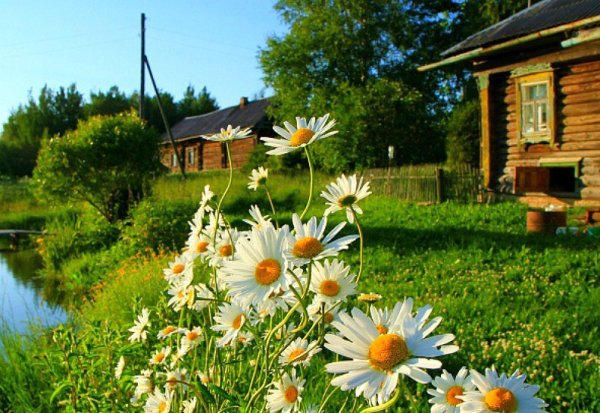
<point x="142" y="88"/>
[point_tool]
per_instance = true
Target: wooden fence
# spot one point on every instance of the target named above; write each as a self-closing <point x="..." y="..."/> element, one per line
<point x="426" y="183"/>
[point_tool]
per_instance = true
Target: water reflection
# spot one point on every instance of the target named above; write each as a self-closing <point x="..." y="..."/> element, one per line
<point x="22" y="298"/>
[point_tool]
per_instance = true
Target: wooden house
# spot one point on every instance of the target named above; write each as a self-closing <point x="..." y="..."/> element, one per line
<point x="200" y="154"/>
<point x="538" y="74"/>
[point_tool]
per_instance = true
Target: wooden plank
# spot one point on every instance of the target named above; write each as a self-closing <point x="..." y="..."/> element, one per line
<point x="579" y="79"/>
<point x="582" y="120"/>
<point x="555" y="154"/>
<point x="580" y="88"/>
<point x="591" y="192"/>
<point x="591" y="180"/>
<point x="592" y="127"/>
<point x="585" y="97"/>
<point x="585" y="67"/>
<point x="579" y="137"/>
<point x="580" y="109"/>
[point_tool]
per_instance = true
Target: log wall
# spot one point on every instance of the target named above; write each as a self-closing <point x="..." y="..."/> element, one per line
<point x="577" y="108"/>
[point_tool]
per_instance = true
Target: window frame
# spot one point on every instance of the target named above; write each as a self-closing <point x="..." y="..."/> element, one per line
<point x="190" y="152"/>
<point x="547" y="136"/>
<point x="173" y="160"/>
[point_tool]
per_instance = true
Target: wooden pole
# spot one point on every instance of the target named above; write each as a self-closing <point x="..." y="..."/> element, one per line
<point x="439" y="185"/>
<point x="164" y="118"/>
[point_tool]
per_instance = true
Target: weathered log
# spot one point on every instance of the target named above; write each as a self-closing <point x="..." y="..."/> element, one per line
<point x="582" y="120"/>
<point x="514" y="154"/>
<point x="590" y="192"/>
<point x="590" y="180"/>
<point x="579" y="78"/>
<point x="580" y="146"/>
<point x="591" y="161"/>
<point x="582" y="98"/>
<point x="590" y="170"/>
<point x="580" y="109"/>
<point x="578" y="137"/>
<point x="584" y="67"/>
<point x="592" y="127"/>
<point x="580" y="88"/>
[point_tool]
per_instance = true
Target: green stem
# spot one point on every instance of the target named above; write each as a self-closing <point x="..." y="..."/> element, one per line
<point x="362" y="245"/>
<point x="385" y="405"/>
<point x="272" y="206"/>
<point x="312" y="182"/>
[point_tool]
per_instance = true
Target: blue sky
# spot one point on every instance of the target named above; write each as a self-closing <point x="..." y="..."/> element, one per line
<point x="96" y="44"/>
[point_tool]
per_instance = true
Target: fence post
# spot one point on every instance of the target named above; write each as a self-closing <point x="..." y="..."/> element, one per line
<point x="388" y="182"/>
<point x="439" y="184"/>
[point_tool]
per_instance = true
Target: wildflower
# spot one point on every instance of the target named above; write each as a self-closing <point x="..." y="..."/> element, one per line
<point x="160" y="356"/>
<point x="501" y="394"/>
<point x="299" y="352"/>
<point x="259" y="267"/>
<point x="119" y="368"/>
<point x="317" y="307"/>
<point x="308" y="242"/>
<point x="180" y="271"/>
<point x="331" y="282"/>
<point x="177" y="377"/>
<point x="344" y="193"/>
<point x="197" y="245"/>
<point x="230" y="319"/>
<point x="260" y="220"/>
<point x="167" y="332"/>
<point x="369" y="297"/>
<point x="143" y="383"/>
<point x="203" y="297"/>
<point x="378" y="359"/>
<point x="189" y="406"/>
<point x="285" y="394"/>
<point x="447" y="388"/>
<point x="138" y="331"/>
<point x="158" y="402"/>
<point x="228" y="134"/>
<point x="224" y="248"/>
<point x="299" y="136"/>
<point x="181" y="296"/>
<point x="191" y="338"/>
<point x="258" y="177"/>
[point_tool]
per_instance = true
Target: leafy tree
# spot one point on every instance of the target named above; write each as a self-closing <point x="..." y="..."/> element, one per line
<point x="192" y="104"/>
<point x="107" y="162"/>
<point x="110" y="103"/>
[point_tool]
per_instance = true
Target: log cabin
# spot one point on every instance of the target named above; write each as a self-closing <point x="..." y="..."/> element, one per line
<point x="538" y="74"/>
<point x="198" y="154"/>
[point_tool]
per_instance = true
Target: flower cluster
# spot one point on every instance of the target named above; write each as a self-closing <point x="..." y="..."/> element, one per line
<point x="249" y="309"/>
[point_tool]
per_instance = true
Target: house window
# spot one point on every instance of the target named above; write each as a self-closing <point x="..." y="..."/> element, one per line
<point x="174" y="160"/>
<point x="190" y="156"/>
<point x="535" y="108"/>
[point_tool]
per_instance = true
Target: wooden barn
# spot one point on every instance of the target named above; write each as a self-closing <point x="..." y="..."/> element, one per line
<point x="538" y="74"/>
<point x="200" y="154"/>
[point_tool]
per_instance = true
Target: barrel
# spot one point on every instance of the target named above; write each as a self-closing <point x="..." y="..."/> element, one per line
<point x="546" y="222"/>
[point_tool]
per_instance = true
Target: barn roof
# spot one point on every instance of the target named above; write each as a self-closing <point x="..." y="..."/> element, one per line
<point x="247" y="116"/>
<point x="542" y="15"/>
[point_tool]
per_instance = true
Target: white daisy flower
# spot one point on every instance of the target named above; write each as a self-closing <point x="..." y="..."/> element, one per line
<point x="191" y="338"/>
<point x="244" y="338"/>
<point x="180" y="271"/>
<point x="204" y="378"/>
<point x="138" y="331"/>
<point x="119" y="368"/>
<point x="181" y="296"/>
<point x="378" y="359"/>
<point x="317" y="307"/>
<point x="384" y="319"/>
<point x="259" y="267"/>
<point x="168" y="331"/>
<point x="446" y="390"/>
<point x="331" y="281"/>
<point x="299" y="136"/>
<point x="225" y="247"/>
<point x="369" y="297"/>
<point x="197" y="246"/>
<point x="228" y="134"/>
<point x="203" y="297"/>
<point x="258" y="177"/>
<point x="308" y="242"/>
<point x="158" y="402"/>
<point x="177" y="377"/>
<point x="344" y="193"/>
<point x="144" y="385"/>
<point x="299" y="352"/>
<point x="284" y="395"/>
<point x="230" y="319"/>
<point x="501" y="394"/>
<point x="207" y="196"/>
<point x="160" y="356"/>
<point x="189" y="406"/>
<point x="260" y="220"/>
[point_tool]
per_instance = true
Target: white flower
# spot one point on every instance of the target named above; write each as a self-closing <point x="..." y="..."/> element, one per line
<point x="207" y="196"/>
<point x="284" y="395"/>
<point x="203" y="297"/>
<point x="158" y="402"/>
<point x="225" y="247"/>
<point x="259" y="267"/>
<point x="167" y="332"/>
<point x="317" y="307"/>
<point x="331" y="281"/>
<point x="369" y="297"/>
<point x="501" y="394"/>
<point x="181" y="296"/>
<point x="309" y="243"/>
<point x="143" y="383"/>
<point x="378" y="359"/>
<point x="191" y="338"/>
<point x="119" y="368"/>
<point x="447" y="388"/>
<point x="230" y="319"/>
<point x="299" y="352"/>
<point x="299" y="136"/>
<point x="258" y="177"/>
<point x="344" y="193"/>
<point x="260" y="220"/>
<point x="180" y="271"/>
<point x="197" y="245"/>
<point x="138" y="331"/>
<point x="177" y="377"/>
<point x="189" y="406"/>
<point x="160" y="356"/>
<point x="228" y="134"/>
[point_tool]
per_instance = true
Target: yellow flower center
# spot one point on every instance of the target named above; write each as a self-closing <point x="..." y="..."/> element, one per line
<point x="178" y="268"/>
<point x="381" y="328"/>
<point x="369" y="297"/>
<point x="168" y="330"/>
<point x="192" y="335"/>
<point x="162" y="407"/>
<point x="347" y="200"/>
<point x="291" y="394"/>
<point x="237" y="322"/>
<point x="328" y="317"/>
<point x="452" y="393"/>
<point x="201" y="247"/>
<point x="501" y="400"/>
<point x="159" y="357"/>
<point x="297" y="355"/>
<point x="307" y="247"/>
<point x="267" y="271"/>
<point x="226" y="250"/>
<point x="205" y="379"/>
<point x="301" y="137"/>
<point x="330" y="288"/>
<point x="387" y="351"/>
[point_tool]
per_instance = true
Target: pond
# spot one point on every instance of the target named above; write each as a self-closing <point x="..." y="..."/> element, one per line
<point x="21" y="292"/>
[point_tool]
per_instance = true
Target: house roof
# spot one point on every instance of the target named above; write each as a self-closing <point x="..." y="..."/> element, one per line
<point x="542" y="15"/>
<point x="248" y="116"/>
